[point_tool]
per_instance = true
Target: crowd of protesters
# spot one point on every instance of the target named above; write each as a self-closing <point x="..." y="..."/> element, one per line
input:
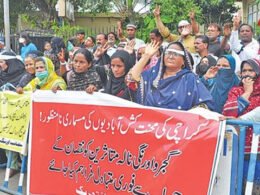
<point x="218" y="70"/>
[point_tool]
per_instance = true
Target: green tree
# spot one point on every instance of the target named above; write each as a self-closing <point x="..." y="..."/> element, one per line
<point x="126" y="9"/>
<point x="40" y="13"/>
<point x="96" y="6"/>
<point x="217" y="11"/>
<point x="16" y="7"/>
<point x="171" y="14"/>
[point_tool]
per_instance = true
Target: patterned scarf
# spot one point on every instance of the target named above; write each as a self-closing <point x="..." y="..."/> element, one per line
<point x="80" y="81"/>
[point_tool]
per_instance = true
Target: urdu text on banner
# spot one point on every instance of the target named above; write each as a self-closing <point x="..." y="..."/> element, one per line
<point x="100" y="144"/>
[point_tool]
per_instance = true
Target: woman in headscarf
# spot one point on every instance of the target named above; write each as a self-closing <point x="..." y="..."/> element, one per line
<point x="83" y="75"/>
<point x="30" y="69"/>
<point x="113" y="77"/>
<point x="45" y="76"/>
<point x="11" y="69"/>
<point x="205" y="63"/>
<point x="58" y="54"/>
<point x="245" y="100"/>
<point x="171" y="83"/>
<point x="220" y="79"/>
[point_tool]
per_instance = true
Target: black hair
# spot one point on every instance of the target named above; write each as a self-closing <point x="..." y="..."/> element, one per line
<point x="93" y="39"/>
<point x="215" y="25"/>
<point x="105" y="35"/>
<point x="57" y="44"/>
<point x="82" y="32"/>
<point x="25" y="35"/>
<point x="244" y="24"/>
<point x="86" y="53"/>
<point x="113" y="34"/>
<point x="204" y="38"/>
<point x="157" y="33"/>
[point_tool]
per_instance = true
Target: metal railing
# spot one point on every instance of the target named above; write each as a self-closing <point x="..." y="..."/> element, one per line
<point x="243" y="125"/>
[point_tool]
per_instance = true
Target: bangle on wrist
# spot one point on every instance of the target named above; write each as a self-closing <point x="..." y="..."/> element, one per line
<point x="63" y="63"/>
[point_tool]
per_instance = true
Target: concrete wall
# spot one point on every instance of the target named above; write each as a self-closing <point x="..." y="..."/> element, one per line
<point x="98" y="23"/>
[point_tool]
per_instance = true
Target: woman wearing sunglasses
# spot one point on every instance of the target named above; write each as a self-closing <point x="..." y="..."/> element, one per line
<point x="171" y="83"/>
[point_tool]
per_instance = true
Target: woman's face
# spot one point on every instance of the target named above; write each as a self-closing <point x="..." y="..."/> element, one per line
<point x="80" y="63"/>
<point x="89" y="42"/>
<point x="118" y="67"/>
<point x="47" y="46"/>
<point x="29" y="65"/>
<point x="174" y="57"/>
<point x="248" y="71"/>
<point x="205" y="61"/>
<point x="39" y="66"/>
<point x="3" y="65"/>
<point x="223" y="63"/>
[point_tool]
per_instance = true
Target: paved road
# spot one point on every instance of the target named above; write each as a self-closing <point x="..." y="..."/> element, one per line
<point x="13" y="182"/>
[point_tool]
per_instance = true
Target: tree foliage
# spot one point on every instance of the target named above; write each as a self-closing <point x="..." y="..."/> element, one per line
<point x="171" y="14"/>
<point x="46" y="16"/>
<point x="172" y="11"/>
<point x="16" y="7"/>
<point x="96" y="6"/>
<point x="217" y="11"/>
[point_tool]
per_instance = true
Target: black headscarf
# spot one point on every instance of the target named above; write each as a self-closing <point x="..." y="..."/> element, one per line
<point x="202" y="68"/>
<point x="14" y="71"/>
<point x="116" y="86"/>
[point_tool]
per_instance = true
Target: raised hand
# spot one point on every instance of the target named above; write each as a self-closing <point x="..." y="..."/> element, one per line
<point x="61" y="56"/>
<point x="101" y="50"/>
<point x="152" y="48"/>
<point x="156" y="11"/>
<point x="130" y="46"/>
<point x="119" y="29"/>
<point x="236" y="21"/>
<point x="192" y="15"/>
<point x="227" y="29"/>
<point x="211" y="73"/>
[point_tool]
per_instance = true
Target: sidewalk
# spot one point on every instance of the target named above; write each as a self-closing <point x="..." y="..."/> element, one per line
<point x="13" y="182"/>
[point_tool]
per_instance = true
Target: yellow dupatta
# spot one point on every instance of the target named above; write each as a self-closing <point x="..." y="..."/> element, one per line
<point x="53" y="80"/>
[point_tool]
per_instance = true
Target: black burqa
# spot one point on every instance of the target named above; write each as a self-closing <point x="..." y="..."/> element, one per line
<point x="14" y="71"/>
<point x="117" y="86"/>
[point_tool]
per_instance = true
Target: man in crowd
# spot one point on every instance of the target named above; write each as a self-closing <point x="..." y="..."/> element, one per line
<point x="201" y="44"/>
<point x="81" y="38"/>
<point x="215" y="44"/>
<point x="100" y="51"/>
<point x="242" y="43"/>
<point x="131" y="35"/>
<point x="184" y="29"/>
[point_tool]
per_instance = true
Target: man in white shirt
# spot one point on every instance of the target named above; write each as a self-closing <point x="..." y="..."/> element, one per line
<point x="242" y="43"/>
<point x="131" y="34"/>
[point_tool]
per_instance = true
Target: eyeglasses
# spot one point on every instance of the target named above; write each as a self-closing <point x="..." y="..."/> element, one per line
<point x="174" y="52"/>
<point x="180" y="27"/>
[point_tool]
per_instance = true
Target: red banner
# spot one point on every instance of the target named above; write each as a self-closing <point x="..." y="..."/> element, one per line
<point x="94" y="149"/>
